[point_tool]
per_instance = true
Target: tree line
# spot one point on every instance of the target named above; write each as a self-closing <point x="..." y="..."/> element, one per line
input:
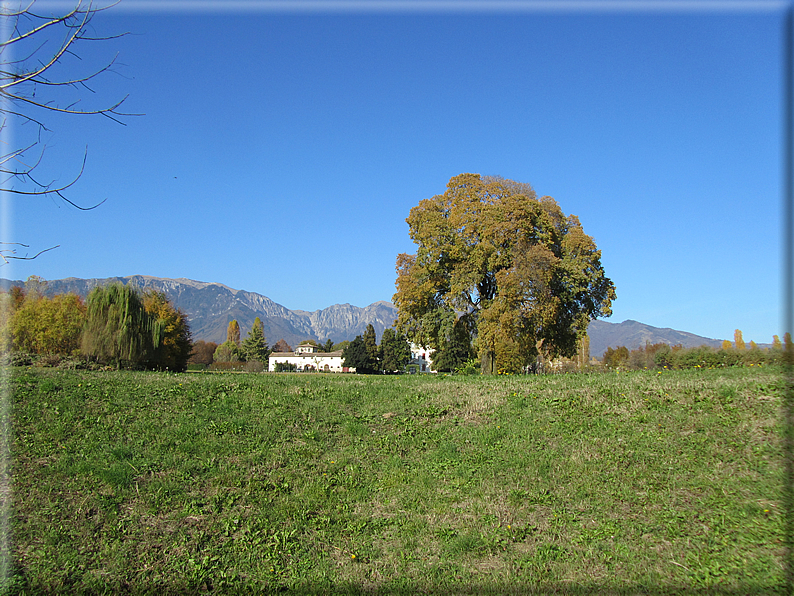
<point x="250" y="354"/>
<point x="664" y="356"/>
<point x="366" y="356"/>
<point x="122" y="326"/>
<point x="116" y="325"/>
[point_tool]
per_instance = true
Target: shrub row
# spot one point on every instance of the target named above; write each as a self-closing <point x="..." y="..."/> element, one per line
<point x="252" y="366"/>
<point x="664" y="356"/>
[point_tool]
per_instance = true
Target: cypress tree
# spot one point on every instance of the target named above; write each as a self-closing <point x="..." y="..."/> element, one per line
<point x="371" y="343"/>
<point x="233" y="332"/>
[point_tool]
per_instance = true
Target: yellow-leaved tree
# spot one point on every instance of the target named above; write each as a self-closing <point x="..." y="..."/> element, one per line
<point x="519" y="277"/>
<point x="175" y="345"/>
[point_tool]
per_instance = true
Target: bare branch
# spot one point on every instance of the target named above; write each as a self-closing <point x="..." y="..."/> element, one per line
<point x="46" y="189"/>
<point x="6" y="254"/>
<point x="21" y="79"/>
<point x="55" y="58"/>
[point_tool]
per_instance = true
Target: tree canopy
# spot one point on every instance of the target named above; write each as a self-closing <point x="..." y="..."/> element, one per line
<point x="228" y="351"/>
<point x="118" y="329"/>
<point x="44" y="325"/>
<point x="281" y="346"/>
<point x="203" y="352"/>
<point x="233" y="332"/>
<point x="357" y="355"/>
<point x="395" y="352"/>
<point x="175" y="346"/>
<point x="509" y="269"/>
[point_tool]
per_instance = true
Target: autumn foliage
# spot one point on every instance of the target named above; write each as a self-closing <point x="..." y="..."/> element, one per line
<point x="118" y="325"/>
<point x="509" y="269"/>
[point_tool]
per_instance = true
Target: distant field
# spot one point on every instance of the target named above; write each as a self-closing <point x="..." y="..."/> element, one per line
<point x="130" y="483"/>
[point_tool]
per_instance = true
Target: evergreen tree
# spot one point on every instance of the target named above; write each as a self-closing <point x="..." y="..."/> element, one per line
<point x="395" y="352"/>
<point x="254" y="347"/>
<point x="371" y="341"/>
<point x="356" y="355"/>
<point x="118" y="329"/>
<point x="328" y="346"/>
<point x="454" y="344"/>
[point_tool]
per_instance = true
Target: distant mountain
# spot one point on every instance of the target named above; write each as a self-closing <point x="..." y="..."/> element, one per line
<point x="210" y="307"/>
<point x="632" y="334"/>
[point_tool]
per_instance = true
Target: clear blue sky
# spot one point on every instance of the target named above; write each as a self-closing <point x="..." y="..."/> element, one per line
<point x="282" y="149"/>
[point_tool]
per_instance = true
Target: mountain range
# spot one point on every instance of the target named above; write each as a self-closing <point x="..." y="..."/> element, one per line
<point x="210" y="306"/>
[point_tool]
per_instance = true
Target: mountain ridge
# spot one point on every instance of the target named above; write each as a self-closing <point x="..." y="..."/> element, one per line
<point x="210" y="306"/>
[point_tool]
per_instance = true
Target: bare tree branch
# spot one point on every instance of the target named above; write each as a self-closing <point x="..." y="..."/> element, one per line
<point x="7" y="253"/>
<point x="30" y="81"/>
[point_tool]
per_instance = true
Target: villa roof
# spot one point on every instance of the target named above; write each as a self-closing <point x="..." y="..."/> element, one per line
<point x="336" y="354"/>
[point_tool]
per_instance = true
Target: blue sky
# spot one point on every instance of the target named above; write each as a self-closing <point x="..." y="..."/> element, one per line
<point x="282" y="148"/>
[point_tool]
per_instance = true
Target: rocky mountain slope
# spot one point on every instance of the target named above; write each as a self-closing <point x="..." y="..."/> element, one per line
<point x="210" y="307"/>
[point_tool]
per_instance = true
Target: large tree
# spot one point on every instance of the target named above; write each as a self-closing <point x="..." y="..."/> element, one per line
<point x="454" y="347"/>
<point x="356" y="355"/>
<point x="233" y="332"/>
<point x="203" y="352"/>
<point x="738" y="340"/>
<point x="175" y="346"/>
<point x="371" y="342"/>
<point x="395" y="352"/>
<point x="282" y="347"/>
<point x="44" y="325"/>
<point x="520" y="276"/>
<point x="228" y="351"/>
<point x="118" y="329"/>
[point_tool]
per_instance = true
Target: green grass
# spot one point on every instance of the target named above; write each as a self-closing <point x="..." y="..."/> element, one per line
<point x="135" y="483"/>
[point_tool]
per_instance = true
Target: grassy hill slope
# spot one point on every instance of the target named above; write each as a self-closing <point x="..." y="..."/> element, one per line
<point x="646" y="482"/>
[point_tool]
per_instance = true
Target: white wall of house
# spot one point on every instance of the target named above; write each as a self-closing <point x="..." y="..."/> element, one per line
<point x="305" y="358"/>
<point x="421" y="359"/>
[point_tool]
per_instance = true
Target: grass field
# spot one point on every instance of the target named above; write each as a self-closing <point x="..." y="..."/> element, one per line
<point x="614" y="483"/>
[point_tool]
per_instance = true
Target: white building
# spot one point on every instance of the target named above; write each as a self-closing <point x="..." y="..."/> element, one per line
<point x="306" y="358"/>
<point x="421" y="360"/>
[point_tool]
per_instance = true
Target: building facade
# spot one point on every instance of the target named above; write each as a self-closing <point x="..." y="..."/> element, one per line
<point x="306" y="358"/>
<point x="421" y="360"/>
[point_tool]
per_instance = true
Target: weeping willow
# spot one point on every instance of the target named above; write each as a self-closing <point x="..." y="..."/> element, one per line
<point x="118" y="329"/>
